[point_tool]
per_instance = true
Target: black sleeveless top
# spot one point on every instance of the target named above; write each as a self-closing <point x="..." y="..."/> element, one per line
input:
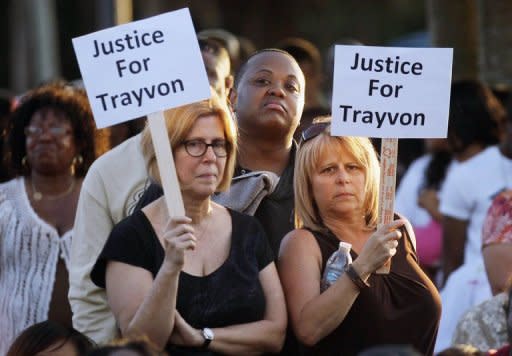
<point x="230" y="295"/>
<point x="402" y="307"/>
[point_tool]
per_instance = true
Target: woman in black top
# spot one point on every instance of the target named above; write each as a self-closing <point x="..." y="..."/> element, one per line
<point x="204" y="283"/>
<point x="336" y="198"/>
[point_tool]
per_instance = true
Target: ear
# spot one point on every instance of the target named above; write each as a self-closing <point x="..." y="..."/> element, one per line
<point x="228" y="82"/>
<point x="233" y="99"/>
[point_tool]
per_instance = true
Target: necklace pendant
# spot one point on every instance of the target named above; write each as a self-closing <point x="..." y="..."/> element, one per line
<point x="37" y="196"/>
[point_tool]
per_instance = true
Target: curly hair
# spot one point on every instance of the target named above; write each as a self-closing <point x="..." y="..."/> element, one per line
<point x="72" y="102"/>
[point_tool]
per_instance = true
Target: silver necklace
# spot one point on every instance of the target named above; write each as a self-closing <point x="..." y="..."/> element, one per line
<point x="37" y="195"/>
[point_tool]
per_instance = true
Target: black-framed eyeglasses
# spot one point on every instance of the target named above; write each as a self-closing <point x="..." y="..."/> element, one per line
<point x="313" y="131"/>
<point x="197" y="148"/>
<point x="55" y="131"/>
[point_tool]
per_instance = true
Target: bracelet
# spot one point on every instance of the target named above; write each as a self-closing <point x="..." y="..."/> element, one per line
<point x="356" y="278"/>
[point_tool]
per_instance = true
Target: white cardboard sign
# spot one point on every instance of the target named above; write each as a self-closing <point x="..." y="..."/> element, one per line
<point x="391" y="92"/>
<point x="142" y="67"/>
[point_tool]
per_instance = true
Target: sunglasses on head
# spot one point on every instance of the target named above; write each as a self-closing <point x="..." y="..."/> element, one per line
<point x="209" y="46"/>
<point x="313" y="131"/>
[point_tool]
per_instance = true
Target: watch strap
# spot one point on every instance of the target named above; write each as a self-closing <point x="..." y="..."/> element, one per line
<point x="208" y="337"/>
<point x="356" y="278"/>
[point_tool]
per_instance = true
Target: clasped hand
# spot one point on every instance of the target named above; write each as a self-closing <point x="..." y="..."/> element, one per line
<point x="184" y="334"/>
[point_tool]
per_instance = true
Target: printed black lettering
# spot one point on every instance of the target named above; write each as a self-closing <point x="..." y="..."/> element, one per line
<point x="141" y="95"/>
<point x="127" y="42"/>
<point x="102" y="98"/>
<point x="344" y="110"/>
<point x="126" y="99"/>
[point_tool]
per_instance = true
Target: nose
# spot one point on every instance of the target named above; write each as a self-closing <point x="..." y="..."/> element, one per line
<point x="45" y="135"/>
<point x="210" y="154"/>
<point x="276" y="89"/>
<point x="343" y="177"/>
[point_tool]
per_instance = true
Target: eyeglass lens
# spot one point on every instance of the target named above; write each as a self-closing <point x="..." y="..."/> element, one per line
<point x="197" y="148"/>
<point x="54" y="131"/>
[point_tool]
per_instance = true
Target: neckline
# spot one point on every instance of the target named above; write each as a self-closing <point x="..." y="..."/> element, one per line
<point x="162" y="250"/>
<point x="38" y="195"/>
<point x="33" y="214"/>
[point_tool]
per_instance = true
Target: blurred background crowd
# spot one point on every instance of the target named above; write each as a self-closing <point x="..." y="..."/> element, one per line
<point x="447" y="188"/>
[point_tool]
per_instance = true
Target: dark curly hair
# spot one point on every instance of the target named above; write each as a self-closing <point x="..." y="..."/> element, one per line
<point x="62" y="96"/>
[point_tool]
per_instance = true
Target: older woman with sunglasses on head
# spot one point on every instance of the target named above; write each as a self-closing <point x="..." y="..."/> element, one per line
<point x="51" y="146"/>
<point x="336" y="197"/>
<point x="205" y="282"/>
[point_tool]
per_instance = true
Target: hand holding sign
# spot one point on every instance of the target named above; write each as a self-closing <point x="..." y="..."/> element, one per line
<point x="390" y="93"/>
<point x="141" y="68"/>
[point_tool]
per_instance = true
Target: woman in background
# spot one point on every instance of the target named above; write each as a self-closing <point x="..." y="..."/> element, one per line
<point x="417" y="198"/>
<point x="51" y="144"/>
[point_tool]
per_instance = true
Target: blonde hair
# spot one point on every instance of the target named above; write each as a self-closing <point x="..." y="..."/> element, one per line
<point x="179" y="122"/>
<point x="308" y="156"/>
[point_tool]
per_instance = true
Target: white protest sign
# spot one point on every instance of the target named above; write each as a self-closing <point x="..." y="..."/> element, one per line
<point x="391" y="92"/>
<point x="142" y="67"/>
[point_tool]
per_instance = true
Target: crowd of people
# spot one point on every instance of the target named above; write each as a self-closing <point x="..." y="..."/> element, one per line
<point x="91" y="263"/>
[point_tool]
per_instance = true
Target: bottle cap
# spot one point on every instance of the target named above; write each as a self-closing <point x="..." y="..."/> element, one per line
<point x="345" y="246"/>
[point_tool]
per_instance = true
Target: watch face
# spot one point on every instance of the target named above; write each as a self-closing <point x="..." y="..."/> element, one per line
<point x="208" y="333"/>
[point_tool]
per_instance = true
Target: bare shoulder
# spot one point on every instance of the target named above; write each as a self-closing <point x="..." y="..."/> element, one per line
<point x="220" y="213"/>
<point x="299" y="242"/>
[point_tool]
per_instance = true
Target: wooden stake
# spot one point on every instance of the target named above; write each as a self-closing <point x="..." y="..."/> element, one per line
<point x="388" y="162"/>
<point x="165" y="162"/>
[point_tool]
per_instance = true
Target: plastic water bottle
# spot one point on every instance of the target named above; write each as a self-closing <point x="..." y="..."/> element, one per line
<point x="336" y="265"/>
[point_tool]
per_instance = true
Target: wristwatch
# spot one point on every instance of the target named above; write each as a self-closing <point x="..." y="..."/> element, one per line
<point x="208" y="337"/>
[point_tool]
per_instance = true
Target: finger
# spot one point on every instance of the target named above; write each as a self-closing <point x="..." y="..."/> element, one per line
<point x="188" y="245"/>
<point x="392" y="252"/>
<point x="176" y="220"/>
<point x="180" y="229"/>
<point x="395" y="224"/>
<point x="392" y="243"/>
<point x="393" y="235"/>
<point x="174" y="240"/>
<point x="183" y="242"/>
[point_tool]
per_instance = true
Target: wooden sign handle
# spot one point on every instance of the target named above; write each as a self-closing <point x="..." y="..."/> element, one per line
<point x="165" y="162"/>
<point x="388" y="162"/>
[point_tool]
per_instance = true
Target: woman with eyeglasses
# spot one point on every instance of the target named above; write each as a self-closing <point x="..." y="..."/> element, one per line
<point x="51" y="145"/>
<point x="204" y="283"/>
<point x="336" y="199"/>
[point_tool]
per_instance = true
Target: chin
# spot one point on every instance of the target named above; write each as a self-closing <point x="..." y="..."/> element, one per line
<point x="204" y="192"/>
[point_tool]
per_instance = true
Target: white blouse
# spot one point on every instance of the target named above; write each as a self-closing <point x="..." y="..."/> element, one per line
<point x="29" y="252"/>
